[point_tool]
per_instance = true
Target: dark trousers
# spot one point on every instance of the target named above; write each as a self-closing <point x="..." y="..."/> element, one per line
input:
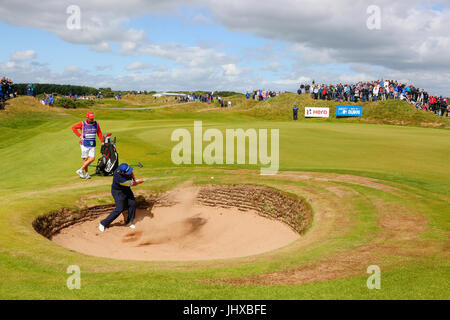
<point x="123" y="202"/>
<point x="295" y="116"/>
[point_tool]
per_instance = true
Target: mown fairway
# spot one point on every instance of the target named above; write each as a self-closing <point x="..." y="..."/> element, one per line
<point x="380" y="195"/>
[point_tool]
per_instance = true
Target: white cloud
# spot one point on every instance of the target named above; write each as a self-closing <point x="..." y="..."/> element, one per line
<point x="137" y="66"/>
<point x="127" y="47"/>
<point x="72" y="69"/>
<point x="353" y="78"/>
<point x="292" y="82"/>
<point x="413" y="43"/>
<point x="200" y="18"/>
<point x="101" y="47"/>
<point x="273" y="66"/>
<point x="25" y="55"/>
<point x="189" y="56"/>
<point x="231" y="69"/>
<point x="335" y="31"/>
<point x="413" y="34"/>
<point x="101" y="21"/>
<point x="103" y="67"/>
<point x="159" y="79"/>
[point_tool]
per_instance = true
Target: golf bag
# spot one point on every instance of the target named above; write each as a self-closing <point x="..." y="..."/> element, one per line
<point x="109" y="161"/>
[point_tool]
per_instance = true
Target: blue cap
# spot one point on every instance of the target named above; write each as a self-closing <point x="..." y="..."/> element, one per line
<point x="125" y="168"/>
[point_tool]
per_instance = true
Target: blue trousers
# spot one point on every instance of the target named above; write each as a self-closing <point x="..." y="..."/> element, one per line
<point x="123" y="202"/>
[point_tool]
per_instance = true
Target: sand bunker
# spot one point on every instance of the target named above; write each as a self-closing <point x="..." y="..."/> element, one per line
<point x="191" y="223"/>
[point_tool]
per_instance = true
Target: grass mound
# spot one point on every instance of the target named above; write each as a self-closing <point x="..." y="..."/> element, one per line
<point x="278" y="109"/>
<point x="24" y="104"/>
<point x="385" y="112"/>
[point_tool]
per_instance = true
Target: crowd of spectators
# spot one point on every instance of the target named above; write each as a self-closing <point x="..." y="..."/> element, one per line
<point x="205" y="98"/>
<point x="48" y="100"/>
<point x="31" y="90"/>
<point x="377" y="91"/>
<point x="224" y="104"/>
<point x="6" y="91"/>
<point x="77" y="97"/>
<point x="260" y="95"/>
<point x="192" y="97"/>
<point x="7" y="88"/>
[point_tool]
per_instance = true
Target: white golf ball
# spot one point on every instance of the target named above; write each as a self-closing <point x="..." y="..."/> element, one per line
<point x="212" y="177"/>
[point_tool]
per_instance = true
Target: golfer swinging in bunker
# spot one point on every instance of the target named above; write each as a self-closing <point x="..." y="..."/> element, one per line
<point x="121" y="191"/>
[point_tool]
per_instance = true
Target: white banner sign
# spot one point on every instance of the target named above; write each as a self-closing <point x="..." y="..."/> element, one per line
<point x="317" y="112"/>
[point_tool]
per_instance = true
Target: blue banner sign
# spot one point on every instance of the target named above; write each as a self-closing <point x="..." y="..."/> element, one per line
<point x="344" y="111"/>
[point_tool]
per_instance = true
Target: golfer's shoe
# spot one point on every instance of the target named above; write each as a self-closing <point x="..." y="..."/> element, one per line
<point x="81" y="173"/>
<point x="101" y="227"/>
<point x="87" y="176"/>
<point x="132" y="226"/>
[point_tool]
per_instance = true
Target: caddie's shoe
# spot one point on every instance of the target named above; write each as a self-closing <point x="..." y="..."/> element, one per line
<point x="101" y="227"/>
<point x="87" y="176"/>
<point x="132" y="226"/>
<point x="81" y="173"/>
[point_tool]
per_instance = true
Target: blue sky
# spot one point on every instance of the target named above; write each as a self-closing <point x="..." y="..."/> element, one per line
<point x="57" y="54"/>
<point x="228" y="45"/>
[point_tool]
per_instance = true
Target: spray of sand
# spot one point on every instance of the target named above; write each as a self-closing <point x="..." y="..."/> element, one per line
<point x="183" y="231"/>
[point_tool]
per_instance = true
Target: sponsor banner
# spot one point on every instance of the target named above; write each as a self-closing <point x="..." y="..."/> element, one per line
<point x="346" y="111"/>
<point x="311" y="112"/>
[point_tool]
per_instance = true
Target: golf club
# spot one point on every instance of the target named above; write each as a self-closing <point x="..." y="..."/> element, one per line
<point x="161" y="175"/>
<point x="137" y="165"/>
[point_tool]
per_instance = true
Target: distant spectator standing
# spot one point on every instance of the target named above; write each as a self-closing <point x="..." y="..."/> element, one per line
<point x="2" y="90"/>
<point x="2" y="97"/>
<point x="6" y="90"/>
<point x="295" y="112"/>
<point x="443" y="103"/>
<point x="31" y="91"/>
